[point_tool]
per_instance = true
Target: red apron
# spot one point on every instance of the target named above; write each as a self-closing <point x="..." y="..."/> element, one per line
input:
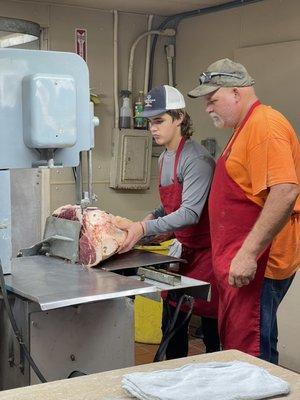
<point x="195" y="240"/>
<point x="232" y="216"/>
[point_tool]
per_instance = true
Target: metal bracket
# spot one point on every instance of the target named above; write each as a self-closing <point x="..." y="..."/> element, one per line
<point x="159" y="275"/>
<point x="61" y="238"/>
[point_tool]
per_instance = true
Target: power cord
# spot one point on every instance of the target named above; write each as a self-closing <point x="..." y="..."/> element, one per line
<point x="16" y="329"/>
<point x="171" y="331"/>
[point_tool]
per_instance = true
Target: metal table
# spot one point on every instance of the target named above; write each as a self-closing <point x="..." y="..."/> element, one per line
<point x="53" y="283"/>
<point x="76" y="318"/>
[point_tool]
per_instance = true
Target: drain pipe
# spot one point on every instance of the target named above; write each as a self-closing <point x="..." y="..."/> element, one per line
<point x="165" y="32"/>
<point x="116" y="97"/>
<point x="170" y="53"/>
<point x="148" y="48"/>
<point x="177" y="18"/>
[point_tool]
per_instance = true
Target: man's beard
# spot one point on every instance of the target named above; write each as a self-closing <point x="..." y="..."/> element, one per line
<point x="217" y="120"/>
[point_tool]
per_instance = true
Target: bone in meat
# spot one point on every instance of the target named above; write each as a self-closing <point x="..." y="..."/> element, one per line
<point x="100" y="238"/>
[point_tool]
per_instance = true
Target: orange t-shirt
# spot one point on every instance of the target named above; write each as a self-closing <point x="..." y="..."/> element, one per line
<point x="266" y="152"/>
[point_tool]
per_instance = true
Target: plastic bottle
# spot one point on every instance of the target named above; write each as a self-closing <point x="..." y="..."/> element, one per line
<point x="125" y="111"/>
<point x="139" y="122"/>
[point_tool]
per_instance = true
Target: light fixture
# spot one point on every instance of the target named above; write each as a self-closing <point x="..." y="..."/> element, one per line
<point x="15" y="31"/>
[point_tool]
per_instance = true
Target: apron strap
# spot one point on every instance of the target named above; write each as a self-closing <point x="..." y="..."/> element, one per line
<point x="178" y="153"/>
<point x="235" y="133"/>
<point x="161" y="167"/>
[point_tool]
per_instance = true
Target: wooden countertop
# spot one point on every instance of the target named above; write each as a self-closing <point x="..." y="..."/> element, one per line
<point x="107" y="385"/>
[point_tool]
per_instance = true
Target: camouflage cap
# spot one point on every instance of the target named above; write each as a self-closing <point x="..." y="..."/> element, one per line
<point x="222" y="73"/>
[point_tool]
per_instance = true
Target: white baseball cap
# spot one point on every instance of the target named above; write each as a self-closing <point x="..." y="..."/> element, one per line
<point x="161" y="99"/>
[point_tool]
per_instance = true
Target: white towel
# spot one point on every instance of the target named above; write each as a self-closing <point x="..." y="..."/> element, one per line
<point x="175" y="249"/>
<point x="206" y="381"/>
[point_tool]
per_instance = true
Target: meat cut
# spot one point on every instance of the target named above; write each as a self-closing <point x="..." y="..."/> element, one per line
<point x="99" y="236"/>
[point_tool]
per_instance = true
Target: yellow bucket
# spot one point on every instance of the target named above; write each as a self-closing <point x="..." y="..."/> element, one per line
<point x="148" y="312"/>
<point x="161" y="248"/>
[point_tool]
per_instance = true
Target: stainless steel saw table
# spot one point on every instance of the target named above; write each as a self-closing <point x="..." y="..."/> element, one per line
<point x="53" y="283"/>
<point x="76" y="318"/>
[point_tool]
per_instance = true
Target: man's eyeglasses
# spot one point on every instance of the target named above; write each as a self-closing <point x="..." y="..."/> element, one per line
<point x="206" y="77"/>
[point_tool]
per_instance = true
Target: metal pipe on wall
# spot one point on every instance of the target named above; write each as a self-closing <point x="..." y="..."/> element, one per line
<point x="147" y="61"/>
<point x="170" y="53"/>
<point x="165" y="32"/>
<point x="116" y="90"/>
<point x="177" y="18"/>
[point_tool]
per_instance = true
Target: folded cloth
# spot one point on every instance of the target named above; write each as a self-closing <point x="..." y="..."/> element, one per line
<point x="206" y="381"/>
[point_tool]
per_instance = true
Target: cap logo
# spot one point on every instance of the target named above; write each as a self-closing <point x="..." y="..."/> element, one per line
<point x="149" y="100"/>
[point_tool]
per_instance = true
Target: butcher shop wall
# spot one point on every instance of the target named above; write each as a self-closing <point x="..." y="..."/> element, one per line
<point x="61" y="23"/>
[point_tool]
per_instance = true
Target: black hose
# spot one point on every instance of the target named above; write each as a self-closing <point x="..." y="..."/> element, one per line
<point x="171" y="331"/>
<point x="76" y="374"/>
<point x="161" y="353"/>
<point x="16" y="329"/>
<point x="74" y="173"/>
<point x="177" y="18"/>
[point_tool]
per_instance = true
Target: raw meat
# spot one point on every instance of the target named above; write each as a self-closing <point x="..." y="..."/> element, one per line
<point x="73" y="213"/>
<point x="99" y="236"/>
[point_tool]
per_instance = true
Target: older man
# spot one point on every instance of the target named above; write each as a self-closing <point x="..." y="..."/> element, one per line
<point x="254" y="209"/>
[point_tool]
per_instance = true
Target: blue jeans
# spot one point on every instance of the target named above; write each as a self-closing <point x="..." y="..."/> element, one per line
<point x="273" y="292"/>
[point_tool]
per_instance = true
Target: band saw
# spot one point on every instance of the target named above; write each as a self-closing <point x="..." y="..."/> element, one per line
<point x="70" y="317"/>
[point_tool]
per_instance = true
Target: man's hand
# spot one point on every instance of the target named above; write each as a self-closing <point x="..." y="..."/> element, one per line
<point x="242" y="269"/>
<point x="134" y="233"/>
<point x="274" y="215"/>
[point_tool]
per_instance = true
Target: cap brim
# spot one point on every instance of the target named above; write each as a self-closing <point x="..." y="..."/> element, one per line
<point x="202" y="90"/>
<point x="151" y="113"/>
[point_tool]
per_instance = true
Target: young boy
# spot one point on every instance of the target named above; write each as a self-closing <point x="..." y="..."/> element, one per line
<point x="185" y="174"/>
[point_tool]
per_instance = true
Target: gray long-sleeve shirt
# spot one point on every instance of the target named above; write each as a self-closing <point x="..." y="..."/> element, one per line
<point x="195" y="171"/>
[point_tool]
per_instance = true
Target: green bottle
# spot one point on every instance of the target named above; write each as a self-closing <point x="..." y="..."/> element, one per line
<point x="139" y="122"/>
